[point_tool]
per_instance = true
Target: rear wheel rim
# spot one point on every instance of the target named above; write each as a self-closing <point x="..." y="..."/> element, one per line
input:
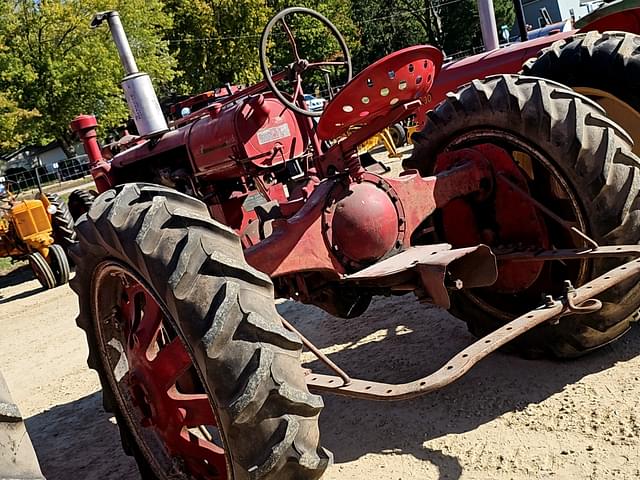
<point x="156" y="384"/>
<point x="581" y="269"/>
<point x="617" y="110"/>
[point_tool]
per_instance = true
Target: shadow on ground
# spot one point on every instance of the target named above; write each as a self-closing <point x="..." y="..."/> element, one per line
<point x="17" y="277"/>
<point x="399" y="340"/>
<point x="77" y="440"/>
<point x="395" y="341"/>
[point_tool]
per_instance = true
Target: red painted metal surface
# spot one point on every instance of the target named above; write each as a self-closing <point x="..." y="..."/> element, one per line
<point x="622" y="16"/>
<point x="299" y="243"/>
<point x="85" y="127"/>
<point x="153" y="379"/>
<point x="392" y="81"/>
<point x="504" y="60"/>
<point x="269" y="143"/>
<point x="517" y="221"/>
<point x="144" y="149"/>
<point x="364" y="223"/>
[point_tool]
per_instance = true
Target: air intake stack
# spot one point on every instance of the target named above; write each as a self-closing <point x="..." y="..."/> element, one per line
<point x="138" y="90"/>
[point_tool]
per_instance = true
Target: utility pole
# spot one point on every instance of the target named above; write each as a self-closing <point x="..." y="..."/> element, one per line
<point x="522" y="25"/>
<point x="488" y="24"/>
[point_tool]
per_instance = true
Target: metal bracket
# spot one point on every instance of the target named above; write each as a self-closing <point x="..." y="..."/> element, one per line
<point x="575" y="300"/>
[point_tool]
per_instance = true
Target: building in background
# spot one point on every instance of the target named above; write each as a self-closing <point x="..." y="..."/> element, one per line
<point x="549" y="16"/>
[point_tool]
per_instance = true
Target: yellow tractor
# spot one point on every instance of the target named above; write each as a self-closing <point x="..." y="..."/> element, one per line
<point x="27" y="233"/>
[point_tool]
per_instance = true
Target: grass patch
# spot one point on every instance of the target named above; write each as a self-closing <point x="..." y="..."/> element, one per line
<point x="6" y="265"/>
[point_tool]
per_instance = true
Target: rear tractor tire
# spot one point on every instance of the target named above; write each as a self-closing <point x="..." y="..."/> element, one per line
<point x="80" y="202"/>
<point x="398" y="134"/>
<point x="204" y="380"/>
<point x="602" y="66"/>
<point x="59" y="264"/>
<point x="62" y="222"/>
<point x="574" y="160"/>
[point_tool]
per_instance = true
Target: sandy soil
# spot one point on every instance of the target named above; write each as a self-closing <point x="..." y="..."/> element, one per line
<point x="507" y="419"/>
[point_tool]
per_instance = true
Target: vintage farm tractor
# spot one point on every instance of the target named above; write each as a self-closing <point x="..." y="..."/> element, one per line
<point x="600" y="59"/>
<point x="27" y="233"/>
<point x="521" y="216"/>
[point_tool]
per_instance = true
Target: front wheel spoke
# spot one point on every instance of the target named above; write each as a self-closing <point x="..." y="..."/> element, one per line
<point x="149" y="324"/>
<point x="128" y="306"/>
<point x="200" y="451"/>
<point x="197" y="409"/>
<point x="292" y="40"/>
<point x="327" y="64"/>
<point x="171" y="362"/>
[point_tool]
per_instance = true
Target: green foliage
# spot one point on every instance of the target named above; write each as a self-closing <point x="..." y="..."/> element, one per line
<point x="14" y="123"/>
<point x="217" y="41"/>
<point x="461" y="23"/>
<point x="389" y="25"/>
<point x="53" y="66"/>
<point x="56" y="65"/>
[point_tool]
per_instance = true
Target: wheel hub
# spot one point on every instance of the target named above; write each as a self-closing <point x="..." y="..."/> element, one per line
<point x="513" y="221"/>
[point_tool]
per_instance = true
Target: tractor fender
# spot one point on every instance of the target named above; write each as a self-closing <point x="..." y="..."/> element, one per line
<point x="619" y="15"/>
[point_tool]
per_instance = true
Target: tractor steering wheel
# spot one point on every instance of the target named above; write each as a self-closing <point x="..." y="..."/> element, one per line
<point x="299" y="65"/>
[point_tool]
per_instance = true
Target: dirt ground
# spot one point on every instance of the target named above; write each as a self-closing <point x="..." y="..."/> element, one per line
<point x="507" y="419"/>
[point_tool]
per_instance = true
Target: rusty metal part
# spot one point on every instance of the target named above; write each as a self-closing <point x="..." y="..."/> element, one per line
<point x="566" y="225"/>
<point x="572" y="253"/>
<point x="435" y="266"/>
<point x="467" y="358"/>
<point x="298" y="243"/>
<point x="591" y="305"/>
<point x="346" y="379"/>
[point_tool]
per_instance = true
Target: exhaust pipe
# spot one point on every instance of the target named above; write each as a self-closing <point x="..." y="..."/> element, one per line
<point x="138" y="89"/>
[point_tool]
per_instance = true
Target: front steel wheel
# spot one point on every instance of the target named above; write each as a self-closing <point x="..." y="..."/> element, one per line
<point x="203" y="379"/>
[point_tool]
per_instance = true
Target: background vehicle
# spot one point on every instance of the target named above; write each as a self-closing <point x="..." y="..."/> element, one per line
<point x="27" y="233"/>
<point x="314" y="104"/>
<point x="523" y="189"/>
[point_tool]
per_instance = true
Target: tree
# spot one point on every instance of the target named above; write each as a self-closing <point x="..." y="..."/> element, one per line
<point x="384" y="29"/>
<point x="14" y="123"/>
<point x="452" y="25"/>
<point x="462" y="23"/>
<point x="216" y="41"/>
<point x="56" y="65"/>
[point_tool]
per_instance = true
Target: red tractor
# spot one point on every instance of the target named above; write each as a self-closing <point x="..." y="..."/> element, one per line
<point x="600" y="59"/>
<point x="521" y="216"/>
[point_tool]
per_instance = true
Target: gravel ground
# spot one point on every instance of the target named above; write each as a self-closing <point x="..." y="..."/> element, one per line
<point x="507" y="419"/>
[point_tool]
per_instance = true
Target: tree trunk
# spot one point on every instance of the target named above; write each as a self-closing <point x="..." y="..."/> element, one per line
<point x="66" y="143"/>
